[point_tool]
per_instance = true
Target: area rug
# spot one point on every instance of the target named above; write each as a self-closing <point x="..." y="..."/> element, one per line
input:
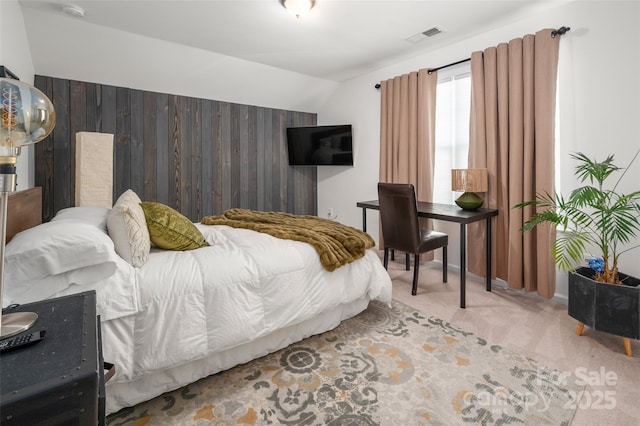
<point x="389" y="365"/>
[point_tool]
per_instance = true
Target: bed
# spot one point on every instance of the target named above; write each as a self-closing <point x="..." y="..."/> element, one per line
<point x="180" y="315"/>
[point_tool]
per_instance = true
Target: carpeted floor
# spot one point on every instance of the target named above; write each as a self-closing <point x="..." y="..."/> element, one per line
<point x="389" y="366"/>
<point x="540" y="329"/>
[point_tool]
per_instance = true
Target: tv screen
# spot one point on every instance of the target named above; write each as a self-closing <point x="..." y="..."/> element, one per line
<point x="320" y="145"/>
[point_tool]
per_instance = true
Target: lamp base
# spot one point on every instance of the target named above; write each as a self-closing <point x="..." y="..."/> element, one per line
<point x="469" y="201"/>
<point x="16" y="323"/>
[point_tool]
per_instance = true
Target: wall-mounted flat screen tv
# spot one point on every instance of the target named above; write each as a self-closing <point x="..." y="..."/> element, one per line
<point x="320" y="145"/>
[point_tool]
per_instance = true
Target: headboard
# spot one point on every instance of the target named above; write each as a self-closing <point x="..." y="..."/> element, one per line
<point x="24" y="211"/>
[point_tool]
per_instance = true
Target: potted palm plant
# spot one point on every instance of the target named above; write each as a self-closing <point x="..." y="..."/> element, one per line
<point x="596" y="217"/>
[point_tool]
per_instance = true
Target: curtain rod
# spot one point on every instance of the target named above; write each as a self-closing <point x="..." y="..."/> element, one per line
<point x="560" y="31"/>
<point x="377" y="86"/>
<point x="449" y="65"/>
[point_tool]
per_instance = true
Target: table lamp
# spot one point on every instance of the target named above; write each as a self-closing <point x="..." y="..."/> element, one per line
<point x="469" y="181"/>
<point x="26" y="116"/>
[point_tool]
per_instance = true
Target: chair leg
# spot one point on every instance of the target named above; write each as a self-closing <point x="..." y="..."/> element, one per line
<point x="407" y="261"/>
<point x="416" y="269"/>
<point x="393" y="254"/>
<point x="444" y="264"/>
<point x="386" y="258"/>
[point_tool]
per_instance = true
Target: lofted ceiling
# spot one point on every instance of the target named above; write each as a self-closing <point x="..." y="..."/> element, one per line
<point x="337" y="40"/>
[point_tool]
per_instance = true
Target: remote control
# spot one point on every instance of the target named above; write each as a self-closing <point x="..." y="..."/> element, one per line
<point x="21" y="340"/>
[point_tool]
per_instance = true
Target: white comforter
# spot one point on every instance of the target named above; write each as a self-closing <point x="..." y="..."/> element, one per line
<point x="244" y="286"/>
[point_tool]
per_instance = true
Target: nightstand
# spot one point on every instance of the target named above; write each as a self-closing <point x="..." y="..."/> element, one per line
<point x="60" y="379"/>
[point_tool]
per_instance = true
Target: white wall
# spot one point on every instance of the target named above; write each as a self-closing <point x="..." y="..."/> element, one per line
<point x="16" y="56"/>
<point x="599" y="92"/>
<point x="108" y="56"/>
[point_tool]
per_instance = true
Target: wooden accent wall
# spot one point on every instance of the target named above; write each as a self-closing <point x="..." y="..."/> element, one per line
<point x="198" y="156"/>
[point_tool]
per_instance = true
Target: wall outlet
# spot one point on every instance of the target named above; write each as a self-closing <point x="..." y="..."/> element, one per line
<point x="331" y="214"/>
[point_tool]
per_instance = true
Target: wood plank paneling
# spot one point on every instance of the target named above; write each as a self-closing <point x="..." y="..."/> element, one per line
<point x="44" y="156"/>
<point x="94" y="105"/>
<point x="137" y="142"/>
<point x="260" y="154"/>
<point x="77" y="122"/>
<point x="162" y="149"/>
<point x="122" y="142"/>
<point x="225" y="141"/>
<point x="206" y="155"/>
<point x="218" y="158"/>
<point x="149" y="146"/>
<point x="235" y="166"/>
<point x="173" y="167"/>
<point x="62" y="190"/>
<point x="198" y="156"/>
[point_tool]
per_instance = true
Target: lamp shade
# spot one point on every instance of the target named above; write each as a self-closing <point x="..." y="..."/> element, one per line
<point x="27" y="116"/>
<point x="469" y="180"/>
<point x="94" y="169"/>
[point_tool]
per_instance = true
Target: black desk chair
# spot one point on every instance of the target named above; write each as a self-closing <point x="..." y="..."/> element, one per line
<point x="401" y="231"/>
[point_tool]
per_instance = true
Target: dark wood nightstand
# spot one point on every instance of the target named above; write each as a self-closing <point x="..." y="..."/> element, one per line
<point x="60" y="379"/>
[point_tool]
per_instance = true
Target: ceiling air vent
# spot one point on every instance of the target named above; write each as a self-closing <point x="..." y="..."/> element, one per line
<point x="432" y="31"/>
<point x="423" y="35"/>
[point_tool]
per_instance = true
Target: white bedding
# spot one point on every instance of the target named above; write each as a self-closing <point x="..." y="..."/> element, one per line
<point x="185" y="315"/>
<point x="245" y="286"/>
<point x="189" y="301"/>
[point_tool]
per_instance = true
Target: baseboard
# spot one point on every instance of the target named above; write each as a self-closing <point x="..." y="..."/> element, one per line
<point x="558" y="297"/>
<point x="470" y="275"/>
<point x="561" y="298"/>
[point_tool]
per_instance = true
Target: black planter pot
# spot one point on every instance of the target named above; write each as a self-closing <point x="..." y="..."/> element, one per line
<point x="611" y="308"/>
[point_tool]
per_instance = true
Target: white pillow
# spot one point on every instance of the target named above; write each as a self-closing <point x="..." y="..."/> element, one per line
<point x="91" y="215"/>
<point x="128" y="229"/>
<point x="38" y="289"/>
<point x="59" y="247"/>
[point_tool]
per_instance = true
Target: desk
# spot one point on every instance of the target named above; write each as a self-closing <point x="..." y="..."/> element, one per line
<point x="450" y="213"/>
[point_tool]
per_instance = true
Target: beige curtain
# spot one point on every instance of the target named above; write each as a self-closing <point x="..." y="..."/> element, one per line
<point x="407" y="131"/>
<point x="512" y="126"/>
<point x="407" y="134"/>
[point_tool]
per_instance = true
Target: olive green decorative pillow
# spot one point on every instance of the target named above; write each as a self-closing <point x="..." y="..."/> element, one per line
<point x="169" y="229"/>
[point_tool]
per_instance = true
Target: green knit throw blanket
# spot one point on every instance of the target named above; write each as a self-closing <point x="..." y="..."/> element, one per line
<point x="336" y="244"/>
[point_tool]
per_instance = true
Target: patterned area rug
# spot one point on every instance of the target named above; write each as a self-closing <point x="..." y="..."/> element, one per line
<point x="386" y="366"/>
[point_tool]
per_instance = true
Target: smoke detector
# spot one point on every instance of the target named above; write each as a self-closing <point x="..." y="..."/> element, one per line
<point x="73" y="10"/>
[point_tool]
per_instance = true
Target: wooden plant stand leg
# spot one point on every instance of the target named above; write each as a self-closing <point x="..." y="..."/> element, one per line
<point x="627" y="346"/>
<point x="625" y="340"/>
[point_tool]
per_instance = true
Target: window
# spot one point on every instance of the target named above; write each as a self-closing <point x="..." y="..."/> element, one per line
<point x="453" y="106"/>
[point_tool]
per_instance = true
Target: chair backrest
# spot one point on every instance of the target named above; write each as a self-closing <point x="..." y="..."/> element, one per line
<point x="399" y="216"/>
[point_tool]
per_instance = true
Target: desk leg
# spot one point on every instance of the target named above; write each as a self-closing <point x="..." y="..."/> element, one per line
<point x="463" y="263"/>
<point x="488" y="253"/>
<point x="364" y="219"/>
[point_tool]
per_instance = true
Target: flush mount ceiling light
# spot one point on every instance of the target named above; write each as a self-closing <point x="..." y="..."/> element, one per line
<point x="73" y="10"/>
<point x="298" y="8"/>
